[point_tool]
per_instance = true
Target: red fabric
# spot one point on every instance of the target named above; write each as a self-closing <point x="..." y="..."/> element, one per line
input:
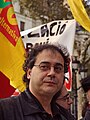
<point x="6" y="89"/>
<point x="16" y="93"/>
<point x="68" y="84"/>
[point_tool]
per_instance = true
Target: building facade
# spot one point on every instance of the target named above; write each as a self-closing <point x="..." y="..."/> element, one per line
<point x="25" y="22"/>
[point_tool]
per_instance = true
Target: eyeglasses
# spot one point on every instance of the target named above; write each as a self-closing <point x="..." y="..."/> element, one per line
<point x="45" y="66"/>
<point x="65" y="98"/>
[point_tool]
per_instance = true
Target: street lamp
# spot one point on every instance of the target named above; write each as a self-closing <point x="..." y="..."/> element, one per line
<point x="75" y="66"/>
<point x="83" y="72"/>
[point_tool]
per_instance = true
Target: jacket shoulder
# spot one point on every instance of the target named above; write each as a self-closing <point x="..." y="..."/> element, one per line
<point x="10" y="107"/>
<point x="8" y="102"/>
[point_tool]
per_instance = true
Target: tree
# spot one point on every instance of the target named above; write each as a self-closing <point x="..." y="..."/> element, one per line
<point x="87" y="6"/>
<point x="46" y="10"/>
<point x="82" y="44"/>
<point x="82" y="40"/>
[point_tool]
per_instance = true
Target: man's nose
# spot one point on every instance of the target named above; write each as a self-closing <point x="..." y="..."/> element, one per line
<point x="70" y="101"/>
<point x="51" y="71"/>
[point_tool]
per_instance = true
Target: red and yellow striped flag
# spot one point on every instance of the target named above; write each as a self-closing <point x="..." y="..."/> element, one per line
<point x="11" y="46"/>
<point x="79" y="13"/>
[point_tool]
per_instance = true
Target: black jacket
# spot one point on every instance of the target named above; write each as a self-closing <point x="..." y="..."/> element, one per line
<point x="66" y="113"/>
<point x="25" y="107"/>
<point x="87" y="114"/>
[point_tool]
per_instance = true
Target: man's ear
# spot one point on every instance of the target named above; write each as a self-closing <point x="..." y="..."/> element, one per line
<point x="28" y="73"/>
<point x="64" y="80"/>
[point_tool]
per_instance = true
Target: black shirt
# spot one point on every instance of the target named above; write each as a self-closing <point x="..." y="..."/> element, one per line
<point x="26" y="107"/>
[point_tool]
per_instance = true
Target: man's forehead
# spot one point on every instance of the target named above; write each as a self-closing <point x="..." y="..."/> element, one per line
<point x="49" y="53"/>
<point x="50" y="50"/>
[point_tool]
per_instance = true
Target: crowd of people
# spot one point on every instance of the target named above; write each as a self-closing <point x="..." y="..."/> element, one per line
<point x="45" y="97"/>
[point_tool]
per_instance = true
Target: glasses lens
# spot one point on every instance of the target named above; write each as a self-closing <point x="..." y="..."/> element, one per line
<point x="58" y="68"/>
<point x="66" y="98"/>
<point x="44" y="66"/>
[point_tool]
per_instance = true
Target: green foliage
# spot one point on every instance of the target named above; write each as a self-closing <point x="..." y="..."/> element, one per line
<point x="46" y="10"/>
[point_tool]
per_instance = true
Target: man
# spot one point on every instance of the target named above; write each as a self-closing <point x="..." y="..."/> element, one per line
<point x="44" y="68"/>
<point x="86" y="87"/>
<point x="64" y="99"/>
<point x="64" y="102"/>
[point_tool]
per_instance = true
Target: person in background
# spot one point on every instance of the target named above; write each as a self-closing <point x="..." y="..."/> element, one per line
<point x="84" y="108"/>
<point x="64" y="99"/>
<point x="44" y="67"/>
<point x="64" y="102"/>
<point x="86" y="87"/>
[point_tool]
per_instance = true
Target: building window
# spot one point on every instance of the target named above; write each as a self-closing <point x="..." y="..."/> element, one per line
<point x="22" y="26"/>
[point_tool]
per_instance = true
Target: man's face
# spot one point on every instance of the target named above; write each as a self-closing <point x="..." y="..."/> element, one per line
<point x="64" y="99"/>
<point x="46" y="77"/>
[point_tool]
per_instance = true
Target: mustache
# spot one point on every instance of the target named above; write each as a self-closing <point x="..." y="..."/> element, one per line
<point x="50" y="79"/>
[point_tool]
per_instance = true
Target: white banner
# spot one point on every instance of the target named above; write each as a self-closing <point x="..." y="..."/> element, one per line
<point x="61" y="31"/>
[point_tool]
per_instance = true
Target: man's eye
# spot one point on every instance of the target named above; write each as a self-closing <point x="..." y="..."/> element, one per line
<point x="44" y="67"/>
<point x="58" y="68"/>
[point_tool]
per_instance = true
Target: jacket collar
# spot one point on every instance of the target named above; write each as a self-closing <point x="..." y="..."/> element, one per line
<point x="31" y="105"/>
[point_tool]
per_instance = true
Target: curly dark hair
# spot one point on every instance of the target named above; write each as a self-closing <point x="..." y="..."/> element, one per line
<point x="32" y="54"/>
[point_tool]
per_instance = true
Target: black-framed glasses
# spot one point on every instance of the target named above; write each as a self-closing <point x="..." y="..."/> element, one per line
<point x="65" y="98"/>
<point x="45" y="66"/>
